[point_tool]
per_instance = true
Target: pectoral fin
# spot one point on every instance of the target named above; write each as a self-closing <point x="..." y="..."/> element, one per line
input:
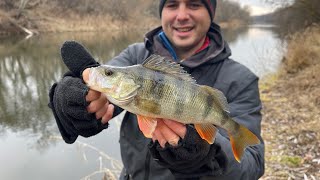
<point x="207" y="132"/>
<point x="147" y="125"/>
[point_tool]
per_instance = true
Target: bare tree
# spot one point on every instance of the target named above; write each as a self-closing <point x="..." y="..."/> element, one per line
<point x="229" y="10"/>
<point x="119" y="10"/>
<point x="296" y="16"/>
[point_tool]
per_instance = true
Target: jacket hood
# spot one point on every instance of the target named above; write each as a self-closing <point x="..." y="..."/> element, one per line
<point x="218" y="49"/>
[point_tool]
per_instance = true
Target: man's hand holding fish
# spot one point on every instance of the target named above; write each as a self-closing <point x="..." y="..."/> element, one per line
<point x="98" y="102"/>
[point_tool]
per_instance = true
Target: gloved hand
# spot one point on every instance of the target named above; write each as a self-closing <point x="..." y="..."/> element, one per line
<point x="69" y="106"/>
<point x="68" y="97"/>
<point x="191" y="157"/>
<point x="76" y="57"/>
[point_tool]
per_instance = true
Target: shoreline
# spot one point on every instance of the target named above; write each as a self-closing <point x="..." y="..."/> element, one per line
<point x="291" y="101"/>
<point x="33" y="26"/>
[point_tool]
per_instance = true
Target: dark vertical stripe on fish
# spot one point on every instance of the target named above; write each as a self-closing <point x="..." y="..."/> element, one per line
<point x="209" y="106"/>
<point x="141" y="74"/>
<point x="180" y="100"/>
<point x="150" y="83"/>
<point x="160" y="85"/>
<point x="224" y="118"/>
<point x="147" y="99"/>
<point x="147" y="83"/>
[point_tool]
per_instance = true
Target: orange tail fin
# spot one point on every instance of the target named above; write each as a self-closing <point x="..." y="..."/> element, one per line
<point x="240" y="140"/>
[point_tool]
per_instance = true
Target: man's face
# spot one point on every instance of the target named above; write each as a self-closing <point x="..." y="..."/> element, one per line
<point x="186" y="23"/>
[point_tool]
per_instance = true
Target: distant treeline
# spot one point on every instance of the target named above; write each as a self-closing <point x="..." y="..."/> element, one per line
<point x="297" y="16"/>
<point x="118" y="9"/>
<point x="230" y="10"/>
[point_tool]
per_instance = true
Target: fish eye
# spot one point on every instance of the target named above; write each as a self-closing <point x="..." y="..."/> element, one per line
<point x="108" y="72"/>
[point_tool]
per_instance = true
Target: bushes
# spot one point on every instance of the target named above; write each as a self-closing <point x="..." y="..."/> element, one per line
<point x="303" y="50"/>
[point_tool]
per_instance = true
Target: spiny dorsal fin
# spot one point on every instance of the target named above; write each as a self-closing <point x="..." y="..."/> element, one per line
<point x="219" y="96"/>
<point x="166" y="65"/>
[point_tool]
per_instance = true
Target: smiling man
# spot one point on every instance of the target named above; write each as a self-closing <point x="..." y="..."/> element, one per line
<point x="189" y="36"/>
<point x="186" y="24"/>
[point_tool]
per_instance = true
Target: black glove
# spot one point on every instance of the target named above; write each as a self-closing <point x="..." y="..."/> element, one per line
<point x="67" y="97"/>
<point x="76" y="57"/>
<point x="193" y="157"/>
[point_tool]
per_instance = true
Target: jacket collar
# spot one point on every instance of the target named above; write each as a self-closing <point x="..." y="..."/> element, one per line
<point x="218" y="49"/>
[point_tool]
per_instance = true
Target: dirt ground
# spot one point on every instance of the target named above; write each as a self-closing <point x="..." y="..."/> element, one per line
<point x="291" y="127"/>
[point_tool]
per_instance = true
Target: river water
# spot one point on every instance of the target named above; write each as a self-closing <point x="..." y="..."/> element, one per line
<point x="30" y="144"/>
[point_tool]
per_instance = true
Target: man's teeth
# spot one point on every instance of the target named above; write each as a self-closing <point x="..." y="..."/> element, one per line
<point x="184" y="29"/>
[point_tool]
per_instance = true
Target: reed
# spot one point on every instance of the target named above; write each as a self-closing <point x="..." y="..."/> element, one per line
<point x="111" y="173"/>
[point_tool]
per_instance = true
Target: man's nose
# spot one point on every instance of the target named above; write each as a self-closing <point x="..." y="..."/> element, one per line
<point x="182" y="13"/>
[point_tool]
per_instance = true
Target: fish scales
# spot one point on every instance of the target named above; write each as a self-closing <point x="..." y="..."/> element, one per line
<point x="171" y="94"/>
<point x="182" y="101"/>
<point x="174" y="100"/>
<point x="164" y="91"/>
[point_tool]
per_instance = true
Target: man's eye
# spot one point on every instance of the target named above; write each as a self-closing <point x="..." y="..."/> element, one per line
<point x="171" y="5"/>
<point x="195" y="5"/>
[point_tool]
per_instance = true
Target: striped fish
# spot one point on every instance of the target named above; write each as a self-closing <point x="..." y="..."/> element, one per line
<point x="160" y="88"/>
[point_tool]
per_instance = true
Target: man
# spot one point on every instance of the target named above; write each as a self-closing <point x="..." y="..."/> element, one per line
<point x="189" y="36"/>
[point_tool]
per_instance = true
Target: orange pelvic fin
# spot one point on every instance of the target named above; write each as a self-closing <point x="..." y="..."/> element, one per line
<point x="240" y="140"/>
<point x="147" y="125"/>
<point x="207" y="132"/>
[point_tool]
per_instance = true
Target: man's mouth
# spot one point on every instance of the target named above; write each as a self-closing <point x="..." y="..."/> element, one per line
<point x="185" y="29"/>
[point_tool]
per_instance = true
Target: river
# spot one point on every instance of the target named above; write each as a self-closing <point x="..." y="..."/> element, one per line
<point x="30" y="144"/>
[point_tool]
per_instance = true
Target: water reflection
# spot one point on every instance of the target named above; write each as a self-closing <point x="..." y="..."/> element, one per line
<point x="232" y="35"/>
<point x="28" y="67"/>
<point x="259" y="49"/>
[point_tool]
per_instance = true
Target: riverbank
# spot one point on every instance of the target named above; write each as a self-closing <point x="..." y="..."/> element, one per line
<point x="44" y="20"/>
<point x="291" y="114"/>
<point x="31" y="24"/>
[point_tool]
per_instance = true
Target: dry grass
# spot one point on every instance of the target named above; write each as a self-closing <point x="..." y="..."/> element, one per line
<point x="303" y="50"/>
<point x="291" y="101"/>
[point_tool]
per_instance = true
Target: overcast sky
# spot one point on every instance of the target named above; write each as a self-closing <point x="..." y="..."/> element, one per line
<point x="257" y="6"/>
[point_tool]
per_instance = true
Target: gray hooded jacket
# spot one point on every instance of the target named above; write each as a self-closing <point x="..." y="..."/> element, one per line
<point x="211" y="67"/>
